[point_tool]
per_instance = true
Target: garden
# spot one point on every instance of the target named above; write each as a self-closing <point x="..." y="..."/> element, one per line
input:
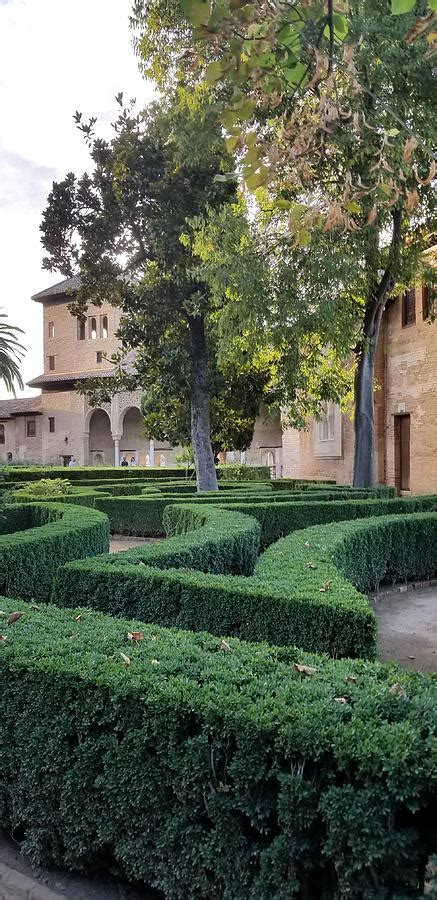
<point x="206" y="715"/>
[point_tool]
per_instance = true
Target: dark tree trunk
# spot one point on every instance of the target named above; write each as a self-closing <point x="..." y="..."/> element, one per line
<point x="364" y="453"/>
<point x="364" y="457"/>
<point x="200" y="418"/>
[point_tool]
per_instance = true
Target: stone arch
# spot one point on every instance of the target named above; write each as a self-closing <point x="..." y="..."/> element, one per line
<point x="134" y="444"/>
<point x="101" y="444"/>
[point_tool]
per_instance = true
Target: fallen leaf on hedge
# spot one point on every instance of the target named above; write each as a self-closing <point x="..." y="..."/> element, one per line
<point x="125" y="659"/>
<point x="2" y="614"/>
<point x="3" y="637"/>
<point x="224" y="646"/>
<point x="340" y="699"/>
<point x="78" y="618"/>
<point x="35" y="606"/>
<point x="155" y="662"/>
<point x="74" y="637"/>
<point x="304" y="670"/>
<point x="307" y="543"/>
<point x="398" y="690"/>
<point x="14" y="616"/>
<point x="352" y="678"/>
<point x="325" y="587"/>
<point x="135" y="636"/>
<point x="310" y="565"/>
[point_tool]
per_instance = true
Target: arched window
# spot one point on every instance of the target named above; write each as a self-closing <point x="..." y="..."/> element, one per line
<point x="2" y="434"/>
<point x="162" y="460"/>
<point x="80" y="330"/>
<point x="92" y="328"/>
<point x="103" y="326"/>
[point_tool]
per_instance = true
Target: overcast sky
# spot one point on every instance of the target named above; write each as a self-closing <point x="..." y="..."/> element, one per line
<point x="56" y="56"/>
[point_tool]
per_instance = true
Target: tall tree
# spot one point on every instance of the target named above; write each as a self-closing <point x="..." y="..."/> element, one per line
<point x="11" y="353"/>
<point x="120" y="228"/>
<point x="329" y="106"/>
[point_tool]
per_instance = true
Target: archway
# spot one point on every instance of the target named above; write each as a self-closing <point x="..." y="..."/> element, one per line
<point x="101" y="442"/>
<point x="134" y="445"/>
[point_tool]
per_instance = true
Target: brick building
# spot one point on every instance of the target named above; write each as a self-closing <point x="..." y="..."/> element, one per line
<point x="405" y="408"/>
<point x="59" y="424"/>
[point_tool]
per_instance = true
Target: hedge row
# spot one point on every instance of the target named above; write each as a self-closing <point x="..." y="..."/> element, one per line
<point x="210" y="768"/>
<point x="42" y="536"/>
<point x="76" y="497"/>
<point x="285" y="606"/>
<point x="30" y="473"/>
<point x="279" y="515"/>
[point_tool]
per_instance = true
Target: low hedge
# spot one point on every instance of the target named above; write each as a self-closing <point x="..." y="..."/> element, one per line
<point x="279" y="515"/>
<point x="214" y="769"/>
<point x="168" y="584"/>
<point x="76" y="497"/>
<point x="279" y="519"/>
<point x="33" y="473"/>
<point x="49" y="535"/>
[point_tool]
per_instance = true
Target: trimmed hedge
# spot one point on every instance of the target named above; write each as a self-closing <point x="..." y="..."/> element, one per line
<point x="30" y="473"/>
<point x="279" y="515"/>
<point x="48" y="534"/>
<point x="76" y="497"/>
<point x="212" y="769"/>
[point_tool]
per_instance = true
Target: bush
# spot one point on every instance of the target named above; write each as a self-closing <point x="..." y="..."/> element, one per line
<point x="278" y="514"/>
<point x="76" y="497"/>
<point x="242" y="472"/>
<point x="48" y="534"/>
<point x="214" y="769"/>
<point x="304" y="588"/>
<point x="45" y="487"/>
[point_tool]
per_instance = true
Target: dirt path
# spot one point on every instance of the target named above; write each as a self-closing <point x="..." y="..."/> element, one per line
<point x="407" y="624"/>
<point x="19" y="880"/>
<point x="125" y="542"/>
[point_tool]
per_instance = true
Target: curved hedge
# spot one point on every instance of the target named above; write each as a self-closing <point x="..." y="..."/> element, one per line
<point x="278" y="515"/>
<point x="210" y="768"/>
<point x="77" y="497"/>
<point x="44" y="536"/>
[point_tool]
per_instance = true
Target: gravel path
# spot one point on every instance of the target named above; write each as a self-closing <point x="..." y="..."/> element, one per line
<point x="407" y="625"/>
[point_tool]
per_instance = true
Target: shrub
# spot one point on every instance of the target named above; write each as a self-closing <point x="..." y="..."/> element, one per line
<point x="304" y="588"/>
<point x="242" y="472"/>
<point x="214" y="769"/>
<point x="49" y="535"/>
<point x="45" y="487"/>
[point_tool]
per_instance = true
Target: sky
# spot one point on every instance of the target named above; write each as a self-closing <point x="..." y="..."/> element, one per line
<point x="56" y="56"/>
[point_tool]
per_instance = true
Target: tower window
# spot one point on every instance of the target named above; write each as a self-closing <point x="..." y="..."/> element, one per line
<point x="99" y="356"/>
<point x="51" y="363"/>
<point x="103" y="326"/>
<point x="51" y="424"/>
<point x="429" y="297"/>
<point x="409" y="308"/>
<point x="2" y="434"/>
<point x="92" y="328"/>
<point x="51" y="329"/>
<point x="31" y="428"/>
<point x="80" y="330"/>
<point x="327" y="423"/>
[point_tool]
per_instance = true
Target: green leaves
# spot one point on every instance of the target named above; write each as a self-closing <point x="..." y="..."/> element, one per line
<point x="398" y="7"/>
<point x="197" y="11"/>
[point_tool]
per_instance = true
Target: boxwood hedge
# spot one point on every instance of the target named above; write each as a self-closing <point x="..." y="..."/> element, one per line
<point x="278" y="515"/>
<point x="210" y="768"/>
<point x="43" y="536"/>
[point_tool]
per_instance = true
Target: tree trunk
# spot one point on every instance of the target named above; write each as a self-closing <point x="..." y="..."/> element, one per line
<point x="364" y="452"/>
<point x="200" y="418"/>
<point x="364" y="455"/>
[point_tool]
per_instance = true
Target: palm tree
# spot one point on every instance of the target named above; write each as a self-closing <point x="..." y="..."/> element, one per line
<point x="11" y="353"/>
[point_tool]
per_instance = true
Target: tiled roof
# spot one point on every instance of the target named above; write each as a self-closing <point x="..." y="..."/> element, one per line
<point x="67" y="285"/>
<point x="21" y="407"/>
<point x="69" y="378"/>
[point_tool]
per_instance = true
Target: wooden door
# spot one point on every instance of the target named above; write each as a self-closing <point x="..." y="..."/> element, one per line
<point x="402" y="452"/>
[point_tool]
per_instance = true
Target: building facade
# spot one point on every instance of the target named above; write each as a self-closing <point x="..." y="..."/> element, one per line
<point x="59" y="423"/>
<point x="405" y="408"/>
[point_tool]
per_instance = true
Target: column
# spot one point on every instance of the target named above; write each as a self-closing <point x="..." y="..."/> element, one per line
<point x="116" y="438"/>
<point x="152" y="451"/>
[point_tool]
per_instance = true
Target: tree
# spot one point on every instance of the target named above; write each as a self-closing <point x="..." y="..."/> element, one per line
<point x="11" y="353"/>
<point x="332" y="110"/>
<point x="120" y="228"/>
<point x="236" y="395"/>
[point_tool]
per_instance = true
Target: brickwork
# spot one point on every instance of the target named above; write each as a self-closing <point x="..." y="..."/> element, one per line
<point x="71" y="354"/>
<point x="405" y="380"/>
